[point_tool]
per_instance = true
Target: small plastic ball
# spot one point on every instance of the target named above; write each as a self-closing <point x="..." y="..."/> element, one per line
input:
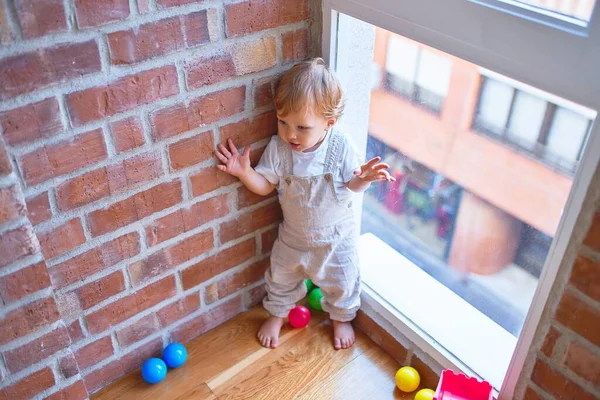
<point x="154" y="370"/>
<point x="407" y="379"/>
<point x="314" y="299"/>
<point x="309" y="285"/>
<point x="299" y="316"/>
<point x="425" y="394"/>
<point x="174" y="355"/>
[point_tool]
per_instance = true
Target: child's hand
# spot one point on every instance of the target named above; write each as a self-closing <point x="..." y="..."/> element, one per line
<point x="374" y="171"/>
<point x="236" y="164"/>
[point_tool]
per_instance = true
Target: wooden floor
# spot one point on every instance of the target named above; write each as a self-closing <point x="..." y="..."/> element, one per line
<point x="229" y="363"/>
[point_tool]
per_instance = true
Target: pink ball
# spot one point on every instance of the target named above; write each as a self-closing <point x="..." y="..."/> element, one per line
<point x="299" y="316"/>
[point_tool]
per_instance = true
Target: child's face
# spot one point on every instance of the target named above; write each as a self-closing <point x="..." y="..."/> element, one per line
<point x="303" y="131"/>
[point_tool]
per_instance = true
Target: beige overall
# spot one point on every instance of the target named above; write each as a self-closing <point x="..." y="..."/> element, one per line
<point x="317" y="240"/>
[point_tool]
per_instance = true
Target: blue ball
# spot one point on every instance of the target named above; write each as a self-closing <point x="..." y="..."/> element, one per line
<point x="174" y="355"/>
<point x="154" y="370"/>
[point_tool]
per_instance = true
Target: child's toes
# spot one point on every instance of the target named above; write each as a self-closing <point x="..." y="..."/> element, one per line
<point x="274" y="343"/>
<point x="337" y="343"/>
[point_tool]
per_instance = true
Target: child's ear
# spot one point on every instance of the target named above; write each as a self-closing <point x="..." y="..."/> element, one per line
<point x="331" y="122"/>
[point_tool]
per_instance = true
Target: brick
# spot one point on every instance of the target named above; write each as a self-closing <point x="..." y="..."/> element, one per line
<point x="96" y="292"/>
<point x="163" y="260"/>
<point x="127" y="134"/>
<point x="250" y="222"/>
<point x="24" y="282"/>
<point x="135" y="358"/>
<point x="550" y="342"/>
<point x="32" y="122"/>
<point x="134" y="208"/>
<point x="213" y="107"/>
<point x="249" y="131"/>
<point x="592" y="238"/>
<point x="263" y="94"/>
<point x="179" y="309"/>
<point x="176" y="3"/>
<point x="207" y="321"/>
<point x="156" y="39"/>
<point x="209" y="70"/>
<point x="267" y="240"/>
<point x="255" y="296"/>
<point x="34" y="70"/>
<point x="12" y="203"/>
<point x="68" y="366"/>
<point x="122" y="95"/>
<point x="232" y="283"/>
<point x="219" y="263"/>
<point x="255" y="56"/>
<point x="191" y="151"/>
<point x="38" y="208"/>
<point x="28" y="319"/>
<point x="91" y="354"/>
<point x="30" y="385"/>
<point x="62" y="239"/>
<point x="295" y="45"/>
<point x="5" y="165"/>
<point x="109" y="180"/>
<point x="75" y="331"/>
<point x="76" y="391"/>
<point x="210" y="179"/>
<point x="62" y="158"/>
<point x="94" y="13"/>
<point x="531" y="394"/>
<point x="138" y="330"/>
<point x="36" y="350"/>
<point x="16" y="244"/>
<point x="126" y="307"/>
<point x="101" y="377"/>
<point x="186" y="219"/>
<point x="579" y="317"/>
<point x="585" y="276"/>
<point x="41" y="18"/>
<point x="557" y="384"/>
<point x="429" y="378"/>
<point x="247" y="198"/>
<point x="143" y="6"/>
<point x="92" y="261"/>
<point x="6" y="34"/>
<point x="584" y="363"/>
<point x="253" y="16"/>
<point x="381" y="337"/>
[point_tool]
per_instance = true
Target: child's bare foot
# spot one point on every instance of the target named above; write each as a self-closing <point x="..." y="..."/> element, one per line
<point x="343" y="335"/>
<point x="268" y="334"/>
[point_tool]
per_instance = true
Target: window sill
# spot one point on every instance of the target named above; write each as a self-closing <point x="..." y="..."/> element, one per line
<point x="422" y="310"/>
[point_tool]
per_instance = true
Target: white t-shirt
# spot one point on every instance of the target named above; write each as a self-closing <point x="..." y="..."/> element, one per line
<point x="308" y="164"/>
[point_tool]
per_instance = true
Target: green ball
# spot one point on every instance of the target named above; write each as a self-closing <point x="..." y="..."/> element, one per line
<point x="309" y="285"/>
<point x="314" y="299"/>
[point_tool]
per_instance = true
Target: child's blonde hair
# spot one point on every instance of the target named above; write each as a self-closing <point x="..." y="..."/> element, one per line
<point x="310" y="84"/>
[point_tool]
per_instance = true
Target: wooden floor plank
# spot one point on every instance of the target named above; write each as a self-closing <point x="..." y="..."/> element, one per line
<point x="369" y="376"/>
<point x="293" y="367"/>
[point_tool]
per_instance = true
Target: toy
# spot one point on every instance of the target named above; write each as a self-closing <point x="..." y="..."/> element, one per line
<point x="314" y="299"/>
<point x="309" y="285"/>
<point x="154" y="370"/>
<point x="299" y="316"/>
<point x="453" y="386"/>
<point x="425" y="394"/>
<point x="174" y="355"/>
<point x="407" y="379"/>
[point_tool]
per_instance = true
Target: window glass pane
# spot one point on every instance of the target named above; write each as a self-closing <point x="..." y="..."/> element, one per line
<point x="526" y="119"/>
<point x="580" y="9"/>
<point x="458" y="242"/>
<point x="494" y="105"/>
<point x="567" y="133"/>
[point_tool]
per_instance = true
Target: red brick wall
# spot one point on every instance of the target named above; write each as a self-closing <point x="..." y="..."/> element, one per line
<point x="117" y="233"/>
<point x="564" y="362"/>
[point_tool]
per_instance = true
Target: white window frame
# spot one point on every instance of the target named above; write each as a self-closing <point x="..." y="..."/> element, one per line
<point x="554" y="53"/>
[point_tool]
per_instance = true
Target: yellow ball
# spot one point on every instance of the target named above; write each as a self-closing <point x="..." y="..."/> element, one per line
<point x="425" y="394"/>
<point x="407" y="379"/>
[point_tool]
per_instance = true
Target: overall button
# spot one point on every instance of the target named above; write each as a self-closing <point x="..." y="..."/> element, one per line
<point x="328" y="177"/>
<point x="288" y="180"/>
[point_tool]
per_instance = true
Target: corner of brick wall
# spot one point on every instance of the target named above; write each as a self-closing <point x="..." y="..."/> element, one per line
<point x="119" y="233"/>
<point x="564" y="360"/>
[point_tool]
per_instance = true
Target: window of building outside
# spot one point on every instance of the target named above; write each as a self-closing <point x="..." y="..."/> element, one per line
<point x="580" y="9"/>
<point x="481" y="183"/>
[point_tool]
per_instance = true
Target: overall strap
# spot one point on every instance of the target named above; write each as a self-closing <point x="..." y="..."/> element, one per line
<point x="334" y="152"/>
<point x="285" y="152"/>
